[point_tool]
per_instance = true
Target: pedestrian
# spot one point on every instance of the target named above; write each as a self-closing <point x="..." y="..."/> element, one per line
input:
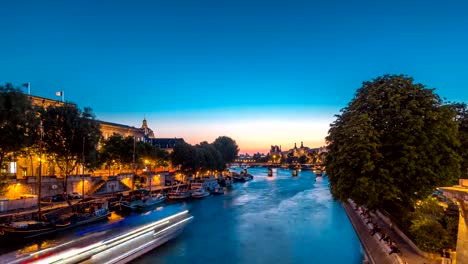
<point x="448" y="256"/>
<point x="442" y="256"/>
<point x="394" y="248"/>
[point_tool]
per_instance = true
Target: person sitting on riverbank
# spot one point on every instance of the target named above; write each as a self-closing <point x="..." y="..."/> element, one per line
<point x="375" y="229"/>
<point x="393" y="248"/>
<point x="385" y="237"/>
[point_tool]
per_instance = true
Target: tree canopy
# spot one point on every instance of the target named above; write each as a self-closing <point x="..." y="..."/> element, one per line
<point x="205" y="156"/>
<point x="68" y="134"/>
<point x="18" y="126"/>
<point x="394" y="142"/>
<point x="227" y="147"/>
<point x="18" y="122"/>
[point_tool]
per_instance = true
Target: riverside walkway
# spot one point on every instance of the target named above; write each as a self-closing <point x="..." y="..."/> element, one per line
<point x="376" y="250"/>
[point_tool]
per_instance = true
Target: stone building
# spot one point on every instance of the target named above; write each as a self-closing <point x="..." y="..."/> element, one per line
<point x="25" y="169"/>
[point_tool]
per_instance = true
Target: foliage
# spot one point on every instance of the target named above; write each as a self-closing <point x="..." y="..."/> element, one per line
<point x="18" y="122"/>
<point x="3" y="183"/>
<point x="185" y="156"/>
<point x="204" y="156"/>
<point x="211" y="157"/>
<point x="393" y="143"/>
<point x="117" y="151"/>
<point x="152" y="155"/>
<point x="227" y="147"/>
<point x="431" y="229"/>
<point x="462" y="120"/>
<point x="69" y="134"/>
<point x="428" y="234"/>
<point x="18" y="126"/>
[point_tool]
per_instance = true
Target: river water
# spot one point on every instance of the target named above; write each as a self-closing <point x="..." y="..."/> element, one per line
<point x="277" y="219"/>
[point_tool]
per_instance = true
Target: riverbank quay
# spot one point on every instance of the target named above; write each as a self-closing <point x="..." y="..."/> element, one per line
<point x="29" y="213"/>
<point x="376" y="254"/>
<point x="376" y="249"/>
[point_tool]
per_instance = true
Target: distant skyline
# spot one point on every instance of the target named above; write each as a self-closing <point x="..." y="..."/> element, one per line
<point x="262" y="72"/>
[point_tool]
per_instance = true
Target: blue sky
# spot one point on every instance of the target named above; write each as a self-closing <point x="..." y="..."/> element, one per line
<point x="262" y="72"/>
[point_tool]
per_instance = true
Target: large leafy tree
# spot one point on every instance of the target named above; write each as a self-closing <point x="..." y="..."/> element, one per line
<point x="201" y="157"/>
<point x="186" y="156"/>
<point x="393" y="143"/>
<point x="462" y="120"/>
<point x="151" y="155"/>
<point x="211" y="158"/>
<point x="18" y="122"/>
<point x="117" y="151"/>
<point x="69" y="134"/>
<point x="18" y="126"/>
<point x="227" y="147"/>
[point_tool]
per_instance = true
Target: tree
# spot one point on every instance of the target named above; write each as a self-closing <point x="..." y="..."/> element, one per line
<point x="117" y="151"/>
<point x="18" y="125"/>
<point x="185" y="156"/>
<point x="68" y="135"/>
<point x="426" y="227"/>
<point x="227" y="147"/>
<point x="211" y="157"/>
<point x="462" y="120"/>
<point x="153" y="155"/>
<point x="393" y="144"/>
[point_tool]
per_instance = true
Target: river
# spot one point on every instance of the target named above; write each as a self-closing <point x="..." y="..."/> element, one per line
<point x="277" y="219"/>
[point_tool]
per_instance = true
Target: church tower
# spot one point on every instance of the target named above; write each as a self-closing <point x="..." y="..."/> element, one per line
<point x="146" y="130"/>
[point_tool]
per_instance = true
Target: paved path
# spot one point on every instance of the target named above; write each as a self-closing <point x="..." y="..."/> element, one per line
<point x="408" y="254"/>
<point x="376" y="253"/>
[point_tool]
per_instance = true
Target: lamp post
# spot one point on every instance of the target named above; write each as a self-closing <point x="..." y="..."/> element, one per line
<point x="39" y="181"/>
<point x="148" y="173"/>
<point x="82" y="170"/>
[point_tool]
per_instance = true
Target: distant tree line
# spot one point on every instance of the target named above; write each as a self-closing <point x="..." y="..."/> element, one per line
<point x="393" y="144"/>
<point x="204" y="156"/>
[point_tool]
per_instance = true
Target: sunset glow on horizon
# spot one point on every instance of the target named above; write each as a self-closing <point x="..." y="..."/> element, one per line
<point x="252" y="132"/>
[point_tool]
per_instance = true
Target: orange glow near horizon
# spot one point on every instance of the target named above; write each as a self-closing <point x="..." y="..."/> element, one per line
<point x="254" y="136"/>
<point x="253" y="130"/>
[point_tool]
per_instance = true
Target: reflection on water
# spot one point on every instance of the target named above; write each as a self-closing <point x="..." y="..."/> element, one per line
<point x="277" y="219"/>
<point x="85" y="235"/>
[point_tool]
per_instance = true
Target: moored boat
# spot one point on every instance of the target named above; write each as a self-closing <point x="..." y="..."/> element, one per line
<point x="143" y="202"/>
<point x="25" y="229"/>
<point x="200" y="193"/>
<point x="87" y="211"/>
<point x="177" y="195"/>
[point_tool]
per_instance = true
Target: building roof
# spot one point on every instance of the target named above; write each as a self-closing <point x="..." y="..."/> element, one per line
<point x="166" y="143"/>
<point x="118" y="125"/>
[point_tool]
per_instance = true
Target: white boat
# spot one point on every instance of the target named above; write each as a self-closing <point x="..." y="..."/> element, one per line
<point x="178" y="195"/>
<point x="144" y="203"/>
<point x="174" y="195"/>
<point x="141" y="199"/>
<point x="200" y="193"/>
